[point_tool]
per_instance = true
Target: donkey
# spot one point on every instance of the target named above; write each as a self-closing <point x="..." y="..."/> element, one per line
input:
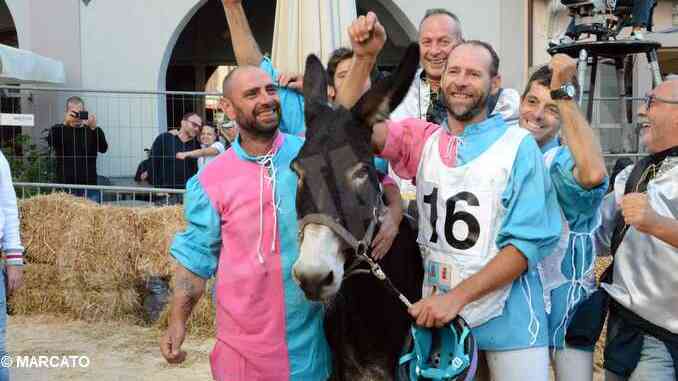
<point x="366" y="326"/>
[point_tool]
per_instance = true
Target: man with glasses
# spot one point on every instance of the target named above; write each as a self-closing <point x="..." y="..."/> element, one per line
<point x="640" y="229"/>
<point x="166" y="170"/>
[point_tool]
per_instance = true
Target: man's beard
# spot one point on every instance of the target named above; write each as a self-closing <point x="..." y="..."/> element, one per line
<point x="249" y="123"/>
<point x="471" y="111"/>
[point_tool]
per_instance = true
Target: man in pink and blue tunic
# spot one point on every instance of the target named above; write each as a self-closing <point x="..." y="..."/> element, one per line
<point x="242" y="225"/>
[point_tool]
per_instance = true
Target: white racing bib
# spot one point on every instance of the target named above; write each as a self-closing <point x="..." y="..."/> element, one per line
<point x="460" y="213"/>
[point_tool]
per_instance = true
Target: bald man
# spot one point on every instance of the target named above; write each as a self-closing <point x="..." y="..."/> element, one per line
<point x="247" y="52"/>
<point x="241" y="216"/>
<point x="242" y="226"/>
<point x="640" y="228"/>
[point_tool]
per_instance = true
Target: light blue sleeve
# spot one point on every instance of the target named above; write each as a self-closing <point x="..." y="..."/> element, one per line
<point x="291" y="104"/>
<point x="381" y="165"/>
<point x="532" y="222"/>
<point x="576" y="201"/>
<point x="197" y="248"/>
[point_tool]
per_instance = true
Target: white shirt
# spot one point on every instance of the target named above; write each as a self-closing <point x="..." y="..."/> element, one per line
<point x="9" y="217"/>
<point x="203" y="161"/>
<point x="418" y="98"/>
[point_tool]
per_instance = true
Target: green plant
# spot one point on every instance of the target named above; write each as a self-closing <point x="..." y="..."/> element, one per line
<point x="33" y="165"/>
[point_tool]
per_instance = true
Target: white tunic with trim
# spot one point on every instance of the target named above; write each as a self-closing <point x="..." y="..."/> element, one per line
<point x="464" y="205"/>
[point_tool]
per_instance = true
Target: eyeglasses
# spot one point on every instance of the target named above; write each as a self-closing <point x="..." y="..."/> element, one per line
<point x="195" y="124"/>
<point x="651" y="99"/>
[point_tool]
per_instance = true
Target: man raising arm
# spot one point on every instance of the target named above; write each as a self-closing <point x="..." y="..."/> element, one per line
<point x="488" y="216"/>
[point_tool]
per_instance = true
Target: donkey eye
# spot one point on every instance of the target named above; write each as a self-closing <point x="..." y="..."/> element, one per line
<point x="362" y="172"/>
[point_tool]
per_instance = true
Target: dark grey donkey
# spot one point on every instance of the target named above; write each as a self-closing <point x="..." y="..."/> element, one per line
<point x="339" y="203"/>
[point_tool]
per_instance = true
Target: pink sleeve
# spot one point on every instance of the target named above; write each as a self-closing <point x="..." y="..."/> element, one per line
<point x="405" y="143"/>
<point x="387" y="180"/>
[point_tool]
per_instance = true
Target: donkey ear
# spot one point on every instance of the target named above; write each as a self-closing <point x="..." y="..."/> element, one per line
<point x="315" y="87"/>
<point x="385" y="95"/>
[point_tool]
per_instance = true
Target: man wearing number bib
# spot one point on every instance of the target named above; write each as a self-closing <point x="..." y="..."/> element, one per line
<point x="488" y="216"/>
<point x="578" y="173"/>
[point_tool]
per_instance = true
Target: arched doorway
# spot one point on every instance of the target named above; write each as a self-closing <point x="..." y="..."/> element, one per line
<point x="205" y="45"/>
<point x="8" y="35"/>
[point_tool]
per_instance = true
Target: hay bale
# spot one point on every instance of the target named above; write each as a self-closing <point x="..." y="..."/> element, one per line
<point x="99" y="276"/>
<point x="96" y="257"/>
<point x="102" y="252"/>
<point x="41" y="292"/>
<point x="45" y="220"/>
<point x="95" y="306"/>
<point x="158" y="227"/>
<point x="29" y="301"/>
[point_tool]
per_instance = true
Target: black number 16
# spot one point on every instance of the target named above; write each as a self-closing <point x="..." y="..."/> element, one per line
<point x="451" y="217"/>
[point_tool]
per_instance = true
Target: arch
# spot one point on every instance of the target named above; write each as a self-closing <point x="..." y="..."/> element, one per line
<point x="199" y="44"/>
<point x="19" y="30"/>
<point x="162" y="73"/>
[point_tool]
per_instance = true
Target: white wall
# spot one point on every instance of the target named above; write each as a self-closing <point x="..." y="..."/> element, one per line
<point x="126" y="44"/>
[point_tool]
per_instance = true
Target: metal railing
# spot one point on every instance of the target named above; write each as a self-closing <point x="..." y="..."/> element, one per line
<point x="114" y="195"/>
<point x="130" y="121"/>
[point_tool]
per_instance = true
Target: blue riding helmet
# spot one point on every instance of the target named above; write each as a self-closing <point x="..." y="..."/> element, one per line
<point x="449" y="353"/>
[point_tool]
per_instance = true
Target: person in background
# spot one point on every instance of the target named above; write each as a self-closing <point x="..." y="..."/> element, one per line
<point x="211" y="147"/>
<point x="229" y="131"/>
<point x="166" y="171"/>
<point x="11" y="274"/>
<point x="338" y="66"/>
<point x="76" y="143"/>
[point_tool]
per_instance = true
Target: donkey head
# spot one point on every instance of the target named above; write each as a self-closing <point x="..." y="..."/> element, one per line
<point x="337" y="177"/>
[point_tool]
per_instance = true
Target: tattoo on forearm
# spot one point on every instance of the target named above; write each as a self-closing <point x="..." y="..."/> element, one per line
<point x="186" y="287"/>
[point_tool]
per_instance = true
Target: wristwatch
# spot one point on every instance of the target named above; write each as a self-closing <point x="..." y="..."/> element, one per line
<point x="567" y="92"/>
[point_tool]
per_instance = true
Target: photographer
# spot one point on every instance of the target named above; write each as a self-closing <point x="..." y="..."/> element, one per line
<point x="76" y="143"/>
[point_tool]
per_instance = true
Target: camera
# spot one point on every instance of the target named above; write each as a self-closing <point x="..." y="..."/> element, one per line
<point x="80" y="115"/>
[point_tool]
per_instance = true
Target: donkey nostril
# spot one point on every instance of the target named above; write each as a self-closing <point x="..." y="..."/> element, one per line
<point x="328" y="279"/>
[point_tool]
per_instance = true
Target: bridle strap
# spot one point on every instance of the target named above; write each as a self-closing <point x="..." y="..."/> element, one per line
<point x="361" y="248"/>
<point x="325" y="220"/>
